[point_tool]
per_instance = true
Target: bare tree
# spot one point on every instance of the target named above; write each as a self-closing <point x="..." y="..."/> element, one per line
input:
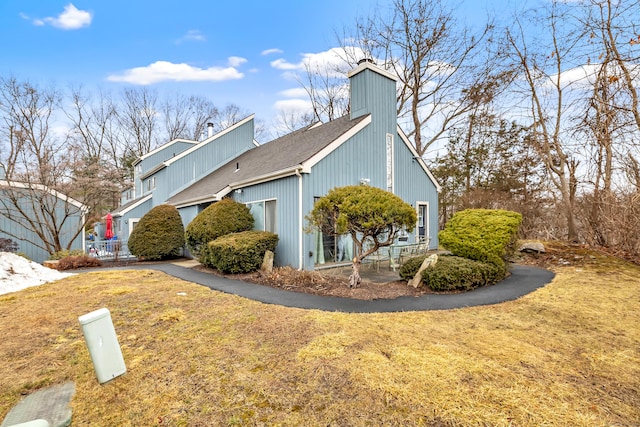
<point x="187" y="116"/>
<point x="540" y="70"/>
<point x="36" y="168"/>
<point x="137" y="119"/>
<point x="611" y="123"/>
<point x="327" y="90"/>
<point x="95" y="148"/>
<point x="436" y="60"/>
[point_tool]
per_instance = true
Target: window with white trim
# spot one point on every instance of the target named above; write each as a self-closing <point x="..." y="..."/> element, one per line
<point x="264" y="214"/>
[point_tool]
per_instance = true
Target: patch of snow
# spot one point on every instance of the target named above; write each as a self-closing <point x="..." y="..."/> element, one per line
<point x="17" y="273"/>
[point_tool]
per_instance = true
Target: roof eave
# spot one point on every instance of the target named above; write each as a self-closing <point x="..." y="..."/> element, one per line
<point x="313" y="160"/>
<point x="420" y="160"/>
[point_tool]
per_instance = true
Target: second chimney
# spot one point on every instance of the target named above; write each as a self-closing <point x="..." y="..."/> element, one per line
<point x="209" y="130"/>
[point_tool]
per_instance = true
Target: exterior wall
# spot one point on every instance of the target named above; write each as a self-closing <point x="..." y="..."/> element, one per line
<point x="127" y="195"/>
<point x="126" y="220"/>
<point x="205" y="158"/>
<point x="10" y="229"/>
<point x="198" y="160"/>
<point x="285" y="192"/>
<point x="412" y="185"/>
<point x="165" y="153"/>
<point x="157" y="156"/>
<point x="188" y="214"/>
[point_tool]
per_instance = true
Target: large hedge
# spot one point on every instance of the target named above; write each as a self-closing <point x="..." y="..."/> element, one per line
<point x="158" y="235"/>
<point x="223" y="217"/>
<point x="485" y="235"/>
<point x="239" y="252"/>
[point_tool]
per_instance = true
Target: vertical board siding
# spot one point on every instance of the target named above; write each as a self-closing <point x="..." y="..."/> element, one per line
<point x="70" y="214"/>
<point x="137" y="212"/>
<point x="165" y="153"/>
<point x="413" y="185"/>
<point x="199" y="163"/>
<point x="285" y="192"/>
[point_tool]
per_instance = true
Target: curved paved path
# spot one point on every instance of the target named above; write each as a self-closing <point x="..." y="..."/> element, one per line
<point x="523" y="280"/>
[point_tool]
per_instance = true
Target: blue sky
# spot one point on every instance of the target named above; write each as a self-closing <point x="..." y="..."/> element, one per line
<point x="230" y="52"/>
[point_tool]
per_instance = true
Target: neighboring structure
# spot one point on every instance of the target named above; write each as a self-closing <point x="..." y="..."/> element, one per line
<point x="32" y="213"/>
<point x="281" y="180"/>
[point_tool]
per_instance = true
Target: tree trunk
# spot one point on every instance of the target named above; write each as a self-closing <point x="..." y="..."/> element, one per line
<point x="354" y="278"/>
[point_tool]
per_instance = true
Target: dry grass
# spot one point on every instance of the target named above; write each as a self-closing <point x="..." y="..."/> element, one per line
<point x="566" y="355"/>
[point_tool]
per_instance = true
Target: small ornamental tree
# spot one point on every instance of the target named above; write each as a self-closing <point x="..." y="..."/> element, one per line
<point x="220" y="218"/>
<point x="372" y="216"/>
<point x="158" y="235"/>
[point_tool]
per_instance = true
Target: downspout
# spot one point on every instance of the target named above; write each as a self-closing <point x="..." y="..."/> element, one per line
<point x="300" y="219"/>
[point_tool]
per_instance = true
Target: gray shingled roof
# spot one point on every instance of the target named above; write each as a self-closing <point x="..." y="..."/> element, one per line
<point x="280" y="154"/>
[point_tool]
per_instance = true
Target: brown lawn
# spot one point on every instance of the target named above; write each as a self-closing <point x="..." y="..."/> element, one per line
<point x="567" y="354"/>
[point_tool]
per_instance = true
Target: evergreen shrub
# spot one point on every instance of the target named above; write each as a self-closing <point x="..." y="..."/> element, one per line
<point x="411" y="267"/>
<point x="158" y="235"/>
<point x="239" y="252"/>
<point x="223" y="217"/>
<point x="452" y="273"/>
<point x="486" y="235"/>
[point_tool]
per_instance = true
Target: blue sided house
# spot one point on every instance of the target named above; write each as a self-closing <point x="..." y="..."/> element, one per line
<point x="281" y="180"/>
<point x="34" y="217"/>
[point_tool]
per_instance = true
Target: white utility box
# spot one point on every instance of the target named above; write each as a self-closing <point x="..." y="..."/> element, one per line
<point x="102" y="341"/>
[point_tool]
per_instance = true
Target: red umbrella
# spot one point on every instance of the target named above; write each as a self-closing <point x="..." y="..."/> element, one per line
<point x="108" y="232"/>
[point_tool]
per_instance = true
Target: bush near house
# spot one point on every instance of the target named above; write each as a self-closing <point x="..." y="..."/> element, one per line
<point x="480" y="240"/>
<point x="80" y="261"/>
<point x="66" y="253"/>
<point x="239" y="252"/>
<point x="485" y="235"/>
<point x="224" y="217"/>
<point x="8" y="245"/>
<point x="452" y="273"/>
<point x="158" y="235"/>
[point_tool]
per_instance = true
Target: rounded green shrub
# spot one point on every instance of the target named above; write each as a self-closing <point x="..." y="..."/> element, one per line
<point x="411" y="267"/>
<point x="452" y="273"/>
<point x="223" y="217"/>
<point x="486" y="235"/>
<point x="158" y="235"/>
<point x="239" y="252"/>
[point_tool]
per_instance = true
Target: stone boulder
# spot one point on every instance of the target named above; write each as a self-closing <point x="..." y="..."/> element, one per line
<point x="532" y="247"/>
<point x="428" y="262"/>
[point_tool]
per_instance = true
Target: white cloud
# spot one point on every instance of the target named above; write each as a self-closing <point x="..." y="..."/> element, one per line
<point x="71" y="18"/>
<point x="334" y="61"/>
<point x="282" y="64"/>
<point x="297" y="92"/>
<point x="161" y="71"/>
<point x="192" y="35"/>
<point x="270" y="51"/>
<point x="236" y="61"/>
<point x="293" y="105"/>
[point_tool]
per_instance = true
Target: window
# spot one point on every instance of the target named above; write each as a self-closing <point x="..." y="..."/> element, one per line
<point x="389" y="146"/>
<point x="132" y="224"/>
<point x="151" y="183"/>
<point x="264" y="214"/>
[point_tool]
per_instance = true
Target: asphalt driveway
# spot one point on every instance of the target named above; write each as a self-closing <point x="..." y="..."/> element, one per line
<point x="522" y="281"/>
